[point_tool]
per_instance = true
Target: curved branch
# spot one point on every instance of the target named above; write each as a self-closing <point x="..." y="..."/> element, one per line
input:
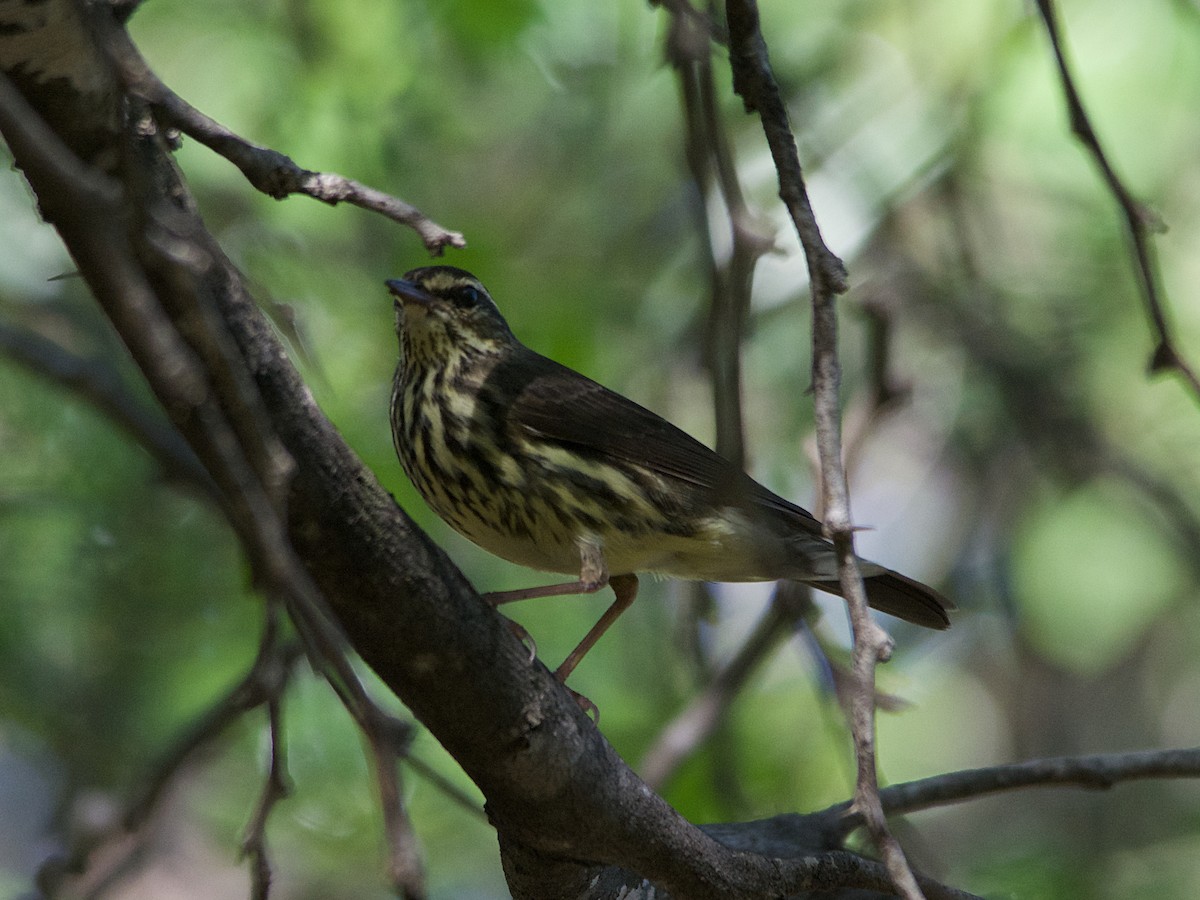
<point x="1099" y="771"/>
<point x="1140" y="221"/>
<point x="270" y="171"/>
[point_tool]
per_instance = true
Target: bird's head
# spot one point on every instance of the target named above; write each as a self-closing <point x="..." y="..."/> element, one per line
<point x="442" y="308"/>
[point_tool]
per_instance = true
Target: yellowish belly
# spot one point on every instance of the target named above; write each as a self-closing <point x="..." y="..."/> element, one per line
<point x="722" y="549"/>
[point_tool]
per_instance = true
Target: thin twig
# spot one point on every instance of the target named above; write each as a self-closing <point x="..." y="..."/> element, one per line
<point x="266" y="680"/>
<point x="270" y="171"/>
<point x="389" y="743"/>
<point x="1071" y="439"/>
<point x="755" y="82"/>
<point x="711" y="163"/>
<point x="711" y="166"/>
<point x="275" y="788"/>
<point x="1141" y="222"/>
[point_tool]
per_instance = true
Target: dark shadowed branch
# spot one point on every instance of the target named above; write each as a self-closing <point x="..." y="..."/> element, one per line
<point x="389" y="740"/>
<point x="1140" y="221"/>
<point x="275" y="788"/>
<point x="1099" y="771"/>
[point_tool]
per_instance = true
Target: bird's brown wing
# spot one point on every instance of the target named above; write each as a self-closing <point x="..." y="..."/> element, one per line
<point x="554" y="403"/>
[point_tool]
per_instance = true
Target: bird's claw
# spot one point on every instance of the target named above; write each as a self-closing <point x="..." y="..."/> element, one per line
<point x="522" y="635"/>
<point x="590" y="709"/>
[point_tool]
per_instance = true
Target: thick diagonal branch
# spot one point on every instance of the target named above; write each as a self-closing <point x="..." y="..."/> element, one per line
<point x="556" y="790"/>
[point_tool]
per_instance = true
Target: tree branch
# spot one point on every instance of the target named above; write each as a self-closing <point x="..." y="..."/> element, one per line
<point x="1099" y="771"/>
<point x="275" y="788"/>
<point x="389" y="741"/>
<point x="755" y="82"/>
<point x="1140" y="221"/>
<point x="268" y="170"/>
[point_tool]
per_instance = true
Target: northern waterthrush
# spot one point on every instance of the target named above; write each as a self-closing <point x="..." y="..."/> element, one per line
<point x="542" y="466"/>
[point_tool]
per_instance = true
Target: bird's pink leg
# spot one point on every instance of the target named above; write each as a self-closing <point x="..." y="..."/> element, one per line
<point x="625" y="588"/>
<point x="593" y="575"/>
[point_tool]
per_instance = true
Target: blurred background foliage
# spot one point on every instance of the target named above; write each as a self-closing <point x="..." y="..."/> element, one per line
<point x="1028" y="464"/>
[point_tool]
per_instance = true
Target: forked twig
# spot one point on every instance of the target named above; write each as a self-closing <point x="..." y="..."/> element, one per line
<point x="275" y="788"/>
<point x="263" y="683"/>
<point x="389" y="743"/>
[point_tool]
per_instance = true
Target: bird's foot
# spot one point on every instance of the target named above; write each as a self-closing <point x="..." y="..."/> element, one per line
<point x="521" y="634"/>
<point x="590" y="709"/>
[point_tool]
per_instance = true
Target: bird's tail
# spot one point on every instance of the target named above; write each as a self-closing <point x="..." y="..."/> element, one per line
<point x="900" y="596"/>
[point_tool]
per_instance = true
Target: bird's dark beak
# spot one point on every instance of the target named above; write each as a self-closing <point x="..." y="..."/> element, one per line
<point x="408" y="292"/>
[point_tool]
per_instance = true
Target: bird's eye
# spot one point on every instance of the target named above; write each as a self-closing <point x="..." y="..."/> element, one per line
<point x="467" y="295"/>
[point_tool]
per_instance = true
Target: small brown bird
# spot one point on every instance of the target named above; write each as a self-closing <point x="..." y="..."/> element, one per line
<point x="542" y="466"/>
